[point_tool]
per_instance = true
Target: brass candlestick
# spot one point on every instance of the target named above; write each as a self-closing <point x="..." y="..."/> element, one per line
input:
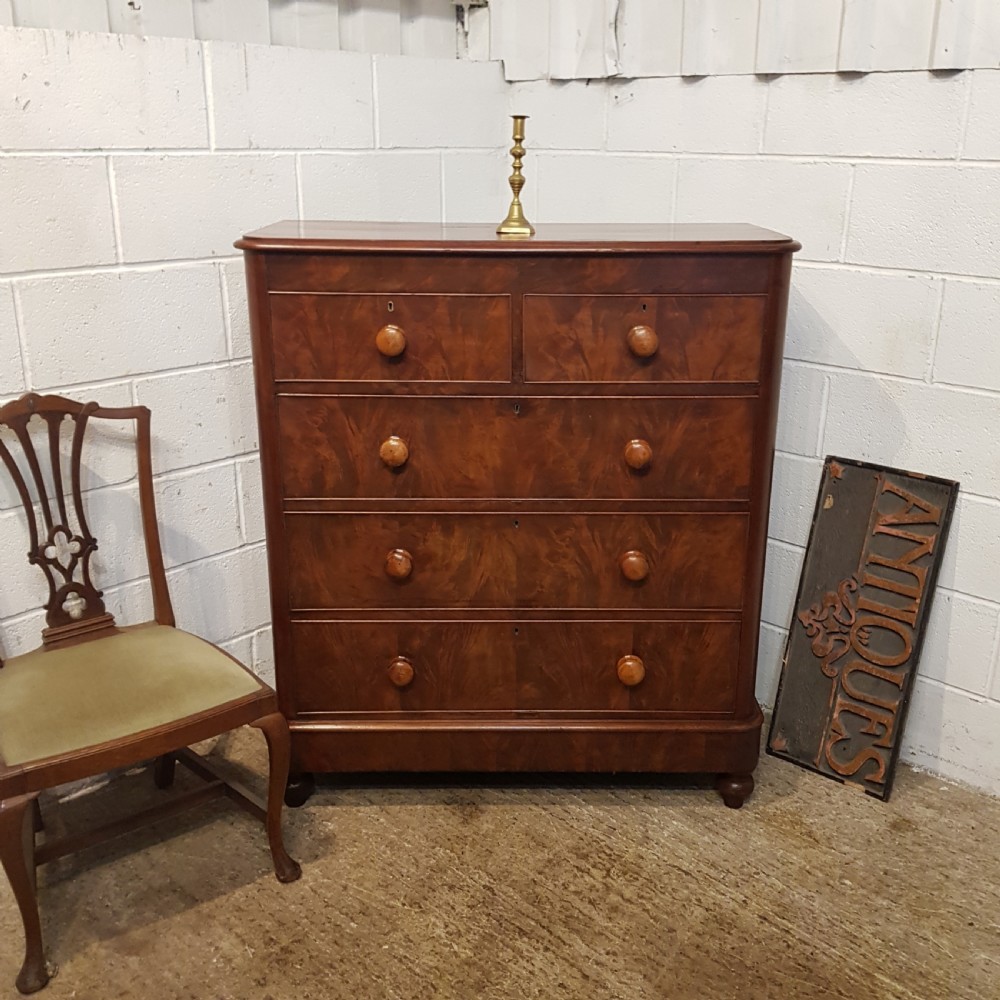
<point x="516" y="224"/>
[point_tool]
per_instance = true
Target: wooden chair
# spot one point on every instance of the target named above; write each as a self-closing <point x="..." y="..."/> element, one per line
<point x="95" y="696"/>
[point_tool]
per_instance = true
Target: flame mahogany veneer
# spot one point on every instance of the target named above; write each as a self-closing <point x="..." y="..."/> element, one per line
<point x="516" y="493"/>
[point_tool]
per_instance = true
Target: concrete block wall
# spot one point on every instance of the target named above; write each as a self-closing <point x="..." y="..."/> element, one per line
<point x="129" y="165"/>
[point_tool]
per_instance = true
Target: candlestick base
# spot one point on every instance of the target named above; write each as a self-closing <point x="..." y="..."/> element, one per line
<point x="515" y="224"/>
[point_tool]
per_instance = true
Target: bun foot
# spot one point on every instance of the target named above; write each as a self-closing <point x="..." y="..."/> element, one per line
<point x="735" y="789"/>
<point x="298" y="789"/>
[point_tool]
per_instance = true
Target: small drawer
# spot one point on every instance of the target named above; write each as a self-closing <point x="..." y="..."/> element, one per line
<point x="531" y="560"/>
<point x="676" y="667"/>
<point x="617" y="448"/>
<point x="653" y="338"/>
<point x="399" y="338"/>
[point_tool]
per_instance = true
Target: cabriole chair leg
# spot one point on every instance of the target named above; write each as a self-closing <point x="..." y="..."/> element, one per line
<point x="275" y="730"/>
<point x="17" y="853"/>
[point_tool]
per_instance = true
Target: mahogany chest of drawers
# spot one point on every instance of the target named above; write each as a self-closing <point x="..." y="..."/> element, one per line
<point x="516" y="493"/>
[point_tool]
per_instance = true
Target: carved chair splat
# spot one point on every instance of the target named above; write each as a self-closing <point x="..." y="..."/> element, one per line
<point x="95" y="695"/>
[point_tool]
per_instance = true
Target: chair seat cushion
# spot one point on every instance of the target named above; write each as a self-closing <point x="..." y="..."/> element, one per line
<point x="56" y="701"/>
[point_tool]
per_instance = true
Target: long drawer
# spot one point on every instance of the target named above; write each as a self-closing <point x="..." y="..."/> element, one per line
<point x="400" y="338"/>
<point x="463" y="447"/>
<point x="531" y="560"/>
<point x="479" y="666"/>
<point x="652" y="338"/>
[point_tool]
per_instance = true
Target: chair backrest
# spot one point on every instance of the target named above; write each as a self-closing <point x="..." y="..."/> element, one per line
<point x="61" y="543"/>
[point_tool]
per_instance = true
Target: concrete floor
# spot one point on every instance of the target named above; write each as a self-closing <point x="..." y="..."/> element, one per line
<point x="590" y="893"/>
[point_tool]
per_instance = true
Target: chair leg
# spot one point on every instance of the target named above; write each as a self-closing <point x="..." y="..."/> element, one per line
<point x="163" y="770"/>
<point x="17" y="853"/>
<point x="275" y="730"/>
<point x="39" y="823"/>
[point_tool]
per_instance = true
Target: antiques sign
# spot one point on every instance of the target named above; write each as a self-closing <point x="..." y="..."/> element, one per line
<point x="874" y="551"/>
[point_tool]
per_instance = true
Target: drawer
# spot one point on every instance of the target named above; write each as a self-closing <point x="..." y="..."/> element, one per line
<point x="497" y="666"/>
<point x="400" y="338"/>
<point x="449" y="447"/>
<point x="652" y="338"/>
<point x="398" y="560"/>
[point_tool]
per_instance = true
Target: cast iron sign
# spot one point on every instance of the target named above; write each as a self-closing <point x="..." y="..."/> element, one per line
<point x="876" y="544"/>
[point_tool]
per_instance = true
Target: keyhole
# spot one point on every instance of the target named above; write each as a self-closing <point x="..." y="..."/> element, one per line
<point x="644" y="307"/>
<point x="517" y="408"/>
<point x="517" y="631"/>
<point x="391" y="306"/>
<point x="517" y="524"/>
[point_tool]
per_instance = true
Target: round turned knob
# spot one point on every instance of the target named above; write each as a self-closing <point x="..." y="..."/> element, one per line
<point x="399" y="564"/>
<point x="631" y="670"/>
<point x="642" y="341"/>
<point x="390" y="341"/>
<point x="634" y="566"/>
<point x="638" y="454"/>
<point x="394" y="452"/>
<point x="401" y="672"/>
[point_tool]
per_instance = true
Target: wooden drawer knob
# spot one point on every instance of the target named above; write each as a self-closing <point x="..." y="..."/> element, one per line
<point x="638" y="454"/>
<point x="634" y="566"/>
<point x="401" y="672"/>
<point x="390" y="341"/>
<point x="394" y="452"/>
<point x="642" y="341"/>
<point x="631" y="670"/>
<point x="399" y="564"/>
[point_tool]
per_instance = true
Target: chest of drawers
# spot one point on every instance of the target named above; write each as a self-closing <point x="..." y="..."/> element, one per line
<point x="516" y="493"/>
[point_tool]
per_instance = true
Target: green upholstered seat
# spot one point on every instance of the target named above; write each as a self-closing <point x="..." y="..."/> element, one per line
<point x="60" y="700"/>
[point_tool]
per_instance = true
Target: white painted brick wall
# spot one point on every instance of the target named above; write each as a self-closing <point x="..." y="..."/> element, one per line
<point x="440" y="102"/>
<point x="39" y="195"/>
<point x="982" y="140"/>
<point x="915" y="426"/>
<point x="715" y="114"/>
<point x="405" y="186"/>
<point x="562" y="115"/>
<point x="44" y="107"/>
<point x="473" y="183"/>
<point x="331" y="108"/>
<point x="120" y="211"/>
<point x="968" y="345"/>
<point x="859" y="115"/>
<point x="933" y="217"/>
<point x="853" y="318"/>
<point x="973" y="554"/>
<point x="127" y="322"/>
<point x="582" y="187"/>
<point x="802" y="408"/>
<point x="216" y="421"/>
<point x="807" y="198"/>
<point x="11" y="375"/>
<point x="190" y="206"/>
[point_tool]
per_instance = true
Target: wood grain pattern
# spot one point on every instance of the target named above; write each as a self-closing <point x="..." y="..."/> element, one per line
<point x="523" y="559"/>
<point x="466" y="447"/>
<point x="444" y="337"/>
<point x="586" y="338"/>
<point x="545" y="744"/>
<point x="633" y="412"/>
<point x="503" y="666"/>
<point x="729" y="273"/>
